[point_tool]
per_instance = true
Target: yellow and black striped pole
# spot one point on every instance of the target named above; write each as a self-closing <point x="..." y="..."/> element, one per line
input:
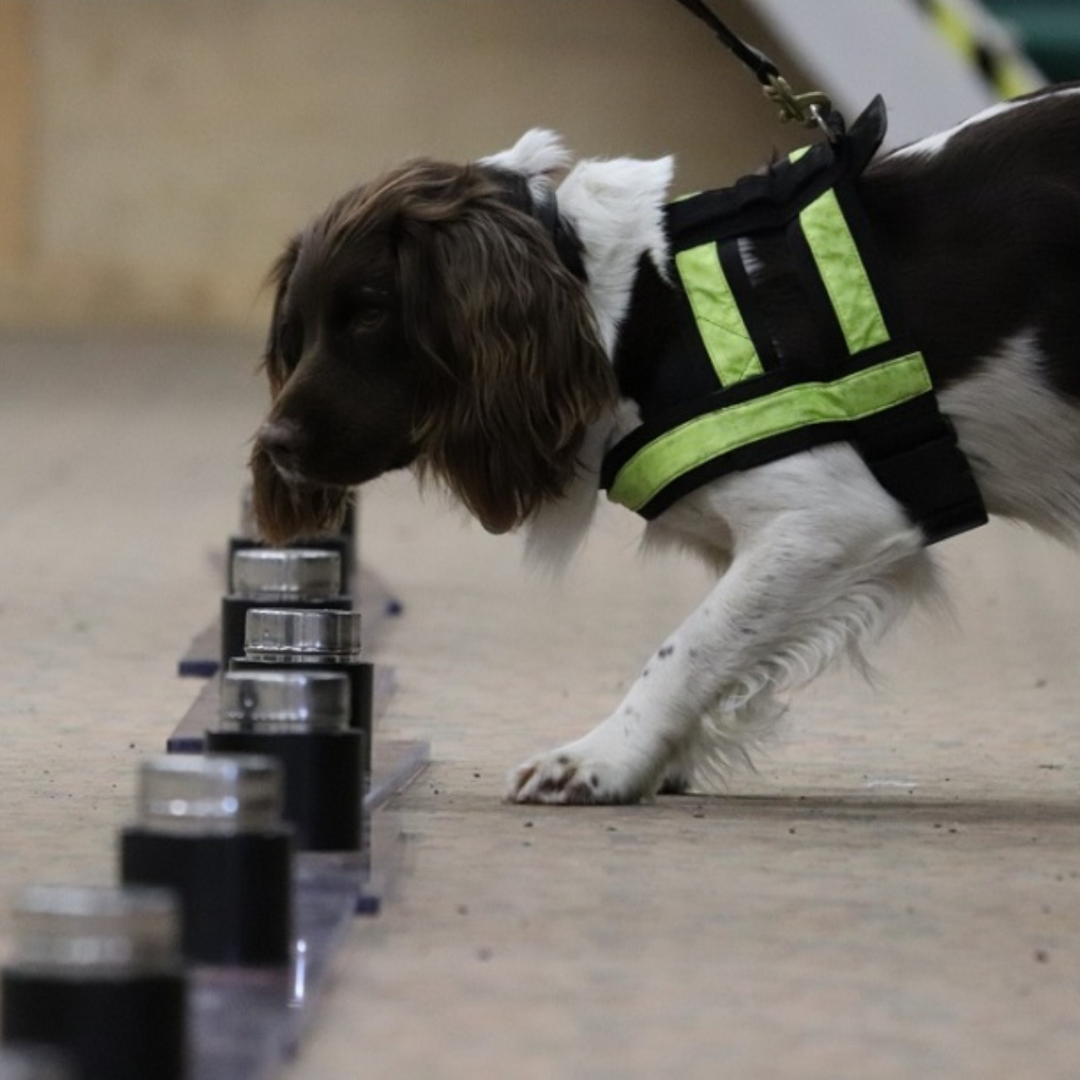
<point x="985" y="45"/>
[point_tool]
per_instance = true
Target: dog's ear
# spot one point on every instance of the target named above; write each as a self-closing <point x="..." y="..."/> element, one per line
<point x="515" y="369"/>
<point x="278" y="279"/>
<point x="539" y="156"/>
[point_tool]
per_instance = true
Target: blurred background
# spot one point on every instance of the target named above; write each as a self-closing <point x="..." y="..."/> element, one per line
<point x="155" y="155"/>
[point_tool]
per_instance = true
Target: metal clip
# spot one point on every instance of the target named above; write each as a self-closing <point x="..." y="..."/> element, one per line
<point x="810" y="109"/>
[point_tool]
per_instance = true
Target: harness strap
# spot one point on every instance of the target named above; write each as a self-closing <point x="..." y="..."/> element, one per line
<point x="838" y="261"/>
<point x="723" y="331"/>
<point x="731" y="428"/>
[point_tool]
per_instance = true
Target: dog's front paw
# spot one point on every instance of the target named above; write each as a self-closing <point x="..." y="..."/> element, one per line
<point x="570" y="775"/>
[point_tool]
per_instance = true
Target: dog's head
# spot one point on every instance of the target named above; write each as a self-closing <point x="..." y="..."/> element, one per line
<point x="427" y="320"/>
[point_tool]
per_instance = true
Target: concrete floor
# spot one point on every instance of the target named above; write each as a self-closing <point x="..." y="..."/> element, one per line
<point x="895" y="894"/>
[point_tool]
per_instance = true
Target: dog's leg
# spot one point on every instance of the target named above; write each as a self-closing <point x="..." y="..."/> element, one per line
<point x="806" y="586"/>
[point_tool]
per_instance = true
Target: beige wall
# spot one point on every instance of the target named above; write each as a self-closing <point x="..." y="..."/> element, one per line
<point x="157" y="152"/>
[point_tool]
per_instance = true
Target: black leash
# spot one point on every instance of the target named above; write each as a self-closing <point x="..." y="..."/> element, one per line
<point x="811" y="110"/>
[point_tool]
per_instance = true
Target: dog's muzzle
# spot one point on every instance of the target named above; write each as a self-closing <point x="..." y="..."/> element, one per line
<point x="283" y="440"/>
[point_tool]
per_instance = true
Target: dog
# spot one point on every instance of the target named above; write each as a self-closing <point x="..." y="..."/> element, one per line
<point x="480" y="324"/>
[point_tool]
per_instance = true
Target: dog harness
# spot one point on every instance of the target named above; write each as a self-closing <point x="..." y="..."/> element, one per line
<point x="723" y="397"/>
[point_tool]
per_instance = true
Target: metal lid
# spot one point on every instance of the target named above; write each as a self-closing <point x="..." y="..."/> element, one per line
<point x="32" y="1063"/>
<point x="285" y="700"/>
<point x="197" y="794"/>
<point x="286" y="573"/>
<point x="88" y="930"/>
<point x="302" y="635"/>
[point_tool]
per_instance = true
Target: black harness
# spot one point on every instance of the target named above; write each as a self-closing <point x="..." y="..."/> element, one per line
<point x="723" y="398"/>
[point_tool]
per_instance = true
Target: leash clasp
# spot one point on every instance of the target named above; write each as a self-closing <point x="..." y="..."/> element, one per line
<point x="810" y="109"/>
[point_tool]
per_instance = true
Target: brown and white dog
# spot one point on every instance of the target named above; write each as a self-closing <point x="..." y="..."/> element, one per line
<point x="444" y="318"/>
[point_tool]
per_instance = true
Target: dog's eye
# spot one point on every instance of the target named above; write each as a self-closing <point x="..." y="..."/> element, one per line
<point x="358" y="309"/>
<point x="367" y="317"/>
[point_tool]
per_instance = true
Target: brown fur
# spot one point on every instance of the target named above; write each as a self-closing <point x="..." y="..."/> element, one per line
<point x="285" y="512"/>
<point x="423" y="320"/>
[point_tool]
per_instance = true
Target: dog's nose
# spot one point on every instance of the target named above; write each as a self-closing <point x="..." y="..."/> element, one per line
<point x="281" y="439"/>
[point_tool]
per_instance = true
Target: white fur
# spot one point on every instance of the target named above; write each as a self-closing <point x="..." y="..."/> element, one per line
<point x="1026" y="457"/>
<point x="751" y="263"/>
<point x="539" y="155"/>
<point x="554" y="534"/>
<point x="616" y="209"/>
<point x="816" y="560"/>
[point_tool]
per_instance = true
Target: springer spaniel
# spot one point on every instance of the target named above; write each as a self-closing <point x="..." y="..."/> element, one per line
<point x="466" y="322"/>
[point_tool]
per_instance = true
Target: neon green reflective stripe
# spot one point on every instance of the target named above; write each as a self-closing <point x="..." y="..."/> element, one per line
<point x="841" y="267"/>
<point x="719" y="321"/>
<point x="710" y="436"/>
